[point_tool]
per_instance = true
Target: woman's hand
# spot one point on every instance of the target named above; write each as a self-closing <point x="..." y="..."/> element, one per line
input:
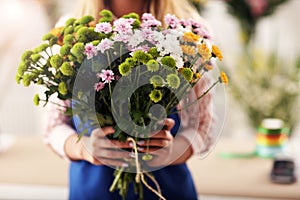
<point x="165" y="148"/>
<point x="107" y="151"/>
<point x="98" y="149"/>
<point x="160" y="145"/>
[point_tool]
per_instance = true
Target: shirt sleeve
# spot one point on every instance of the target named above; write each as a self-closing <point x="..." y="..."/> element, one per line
<point x="58" y="126"/>
<point x="197" y="121"/>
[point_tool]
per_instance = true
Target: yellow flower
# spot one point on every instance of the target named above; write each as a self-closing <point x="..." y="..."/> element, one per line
<point x="190" y="37"/>
<point x="198" y="75"/>
<point x="155" y="95"/>
<point x="189" y="50"/>
<point x="217" y="53"/>
<point x="223" y="78"/>
<point x="204" y="51"/>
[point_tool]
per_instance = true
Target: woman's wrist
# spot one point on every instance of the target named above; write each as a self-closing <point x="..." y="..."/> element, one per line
<point x="182" y="150"/>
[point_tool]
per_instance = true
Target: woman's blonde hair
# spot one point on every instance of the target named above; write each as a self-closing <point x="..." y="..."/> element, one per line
<point x="181" y="8"/>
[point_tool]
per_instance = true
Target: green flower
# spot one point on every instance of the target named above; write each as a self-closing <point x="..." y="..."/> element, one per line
<point x="56" y="61"/>
<point x="78" y="51"/>
<point x="173" y="81"/>
<point x="26" y="55"/>
<point x="77" y="28"/>
<point x="157" y="81"/>
<point x="155" y="95"/>
<point x="53" y="41"/>
<point x="27" y="78"/>
<point x="86" y="19"/>
<point x="131" y="61"/>
<point x="168" y="61"/>
<point x="187" y="73"/>
<point x="65" y="49"/>
<point x="68" y="39"/>
<point x="22" y="69"/>
<point x="35" y="57"/>
<point x="48" y="37"/>
<point x="62" y="88"/>
<point x="152" y="65"/>
<point x="66" y="69"/>
<point x="106" y="16"/>
<point x="70" y="21"/>
<point x="18" y="79"/>
<point x="36" y="99"/>
<point x="153" y="52"/>
<point x="141" y="56"/>
<point x="69" y="30"/>
<point x="42" y="47"/>
<point x="124" y="69"/>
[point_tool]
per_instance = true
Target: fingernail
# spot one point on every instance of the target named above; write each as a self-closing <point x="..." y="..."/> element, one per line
<point x="130" y="144"/>
<point x="125" y="165"/>
<point x="141" y="148"/>
<point x="141" y="142"/>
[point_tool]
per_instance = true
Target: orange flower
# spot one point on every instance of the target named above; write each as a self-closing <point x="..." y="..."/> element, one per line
<point x="223" y="78"/>
<point x="217" y="53"/>
<point x="190" y="37"/>
<point x="204" y="51"/>
<point x="189" y="50"/>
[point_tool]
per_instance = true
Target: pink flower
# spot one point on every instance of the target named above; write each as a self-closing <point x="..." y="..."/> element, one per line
<point x="144" y="48"/>
<point x="148" y="35"/>
<point x="149" y="21"/>
<point x="90" y="50"/>
<point x="106" y="75"/>
<point x="203" y="33"/>
<point x="103" y="27"/>
<point x="194" y="23"/>
<point x="104" y="45"/>
<point x="123" y="37"/>
<point x="257" y="7"/>
<point x="148" y="16"/>
<point x="184" y="23"/>
<point x="171" y="21"/>
<point x="99" y="86"/>
<point x="123" y="25"/>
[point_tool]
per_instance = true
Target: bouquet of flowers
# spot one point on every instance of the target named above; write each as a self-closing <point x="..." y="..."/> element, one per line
<point x="116" y="73"/>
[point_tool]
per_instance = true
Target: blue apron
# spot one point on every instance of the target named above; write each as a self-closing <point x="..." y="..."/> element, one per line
<point x="90" y="182"/>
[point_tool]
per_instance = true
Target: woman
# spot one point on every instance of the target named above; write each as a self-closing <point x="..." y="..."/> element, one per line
<point x="182" y="137"/>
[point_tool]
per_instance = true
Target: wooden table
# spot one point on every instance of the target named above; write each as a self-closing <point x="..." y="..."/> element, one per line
<point x="29" y="161"/>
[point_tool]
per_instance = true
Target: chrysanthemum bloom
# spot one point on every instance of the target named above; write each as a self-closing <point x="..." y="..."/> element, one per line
<point x="90" y="50"/>
<point x="217" y="53"/>
<point x="103" y="27"/>
<point x="171" y="21"/>
<point x="157" y="81"/>
<point x="124" y="69"/>
<point x="188" y="50"/>
<point x="190" y="37"/>
<point x="99" y="86"/>
<point x="187" y="73"/>
<point x="152" y="65"/>
<point x="204" y="51"/>
<point x="173" y="81"/>
<point x="105" y="44"/>
<point x="107" y="76"/>
<point x="155" y="95"/>
<point x="223" y="78"/>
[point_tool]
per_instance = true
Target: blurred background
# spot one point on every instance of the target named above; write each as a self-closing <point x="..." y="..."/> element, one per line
<point x="260" y="44"/>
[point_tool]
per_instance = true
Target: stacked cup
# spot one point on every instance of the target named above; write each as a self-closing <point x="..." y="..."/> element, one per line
<point x="271" y="138"/>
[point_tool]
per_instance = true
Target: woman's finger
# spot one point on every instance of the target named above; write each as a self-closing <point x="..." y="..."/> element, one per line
<point x="154" y="142"/>
<point x="102" y="132"/>
<point x="111" y="154"/>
